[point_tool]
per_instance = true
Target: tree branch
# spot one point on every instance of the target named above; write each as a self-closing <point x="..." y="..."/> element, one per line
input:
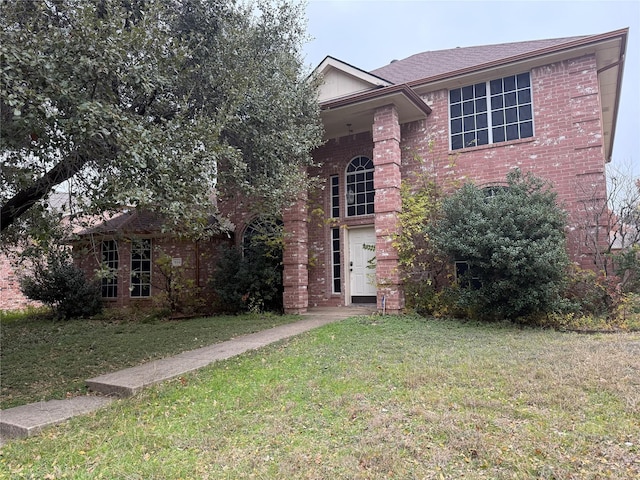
<point x="26" y="198"/>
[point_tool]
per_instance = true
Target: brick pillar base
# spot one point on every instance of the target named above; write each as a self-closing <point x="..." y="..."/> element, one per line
<point x="388" y="204"/>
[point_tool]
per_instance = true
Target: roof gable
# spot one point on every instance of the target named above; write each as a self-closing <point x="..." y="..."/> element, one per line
<point x="341" y="79"/>
<point x="140" y="222"/>
<point x="126" y="221"/>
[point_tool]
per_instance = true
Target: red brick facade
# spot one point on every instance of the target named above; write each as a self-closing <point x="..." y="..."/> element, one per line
<point x="566" y="149"/>
<point x="403" y="128"/>
<point x="296" y="257"/>
<point x="387" y="179"/>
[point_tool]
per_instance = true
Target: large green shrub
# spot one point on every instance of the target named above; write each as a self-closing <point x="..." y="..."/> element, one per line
<point x="250" y="279"/>
<point x="59" y="284"/>
<point x="512" y="240"/>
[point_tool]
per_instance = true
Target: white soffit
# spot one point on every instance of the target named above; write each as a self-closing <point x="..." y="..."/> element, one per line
<point x="344" y="117"/>
<point x="610" y="61"/>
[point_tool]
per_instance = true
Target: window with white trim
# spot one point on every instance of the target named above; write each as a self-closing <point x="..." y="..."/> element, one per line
<point x="109" y="254"/>
<point x="491" y="112"/>
<point x="141" y="268"/>
<point x="359" y="187"/>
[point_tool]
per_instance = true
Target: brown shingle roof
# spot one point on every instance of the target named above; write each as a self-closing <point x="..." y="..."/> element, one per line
<point x="129" y="221"/>
<point x="430" y="64"/>
<point x="140" y="222"/>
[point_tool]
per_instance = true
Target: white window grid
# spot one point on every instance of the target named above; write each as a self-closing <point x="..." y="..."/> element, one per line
<point x="140" y="268"/>
<point x="491" y="112"/>
<point x="360" y="192"/>
<point x="110" y="260"/>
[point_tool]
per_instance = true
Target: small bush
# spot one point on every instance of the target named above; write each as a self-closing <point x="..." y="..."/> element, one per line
<point x="627" y="311"/>
<point x="177" y="294"/>
<point x="627" y="269"/>
<point x="59" y="284"/>
<point x="588" y="293"/>
<point x="425" y="299"/>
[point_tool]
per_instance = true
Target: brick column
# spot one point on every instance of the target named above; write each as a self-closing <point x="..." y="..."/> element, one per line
<point x="296" y="256"/>
<point x="388" y="204"/>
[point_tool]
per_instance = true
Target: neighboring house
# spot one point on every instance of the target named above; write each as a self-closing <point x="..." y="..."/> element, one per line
<point x="11" y="297"/>
<point x="465" y="114"/>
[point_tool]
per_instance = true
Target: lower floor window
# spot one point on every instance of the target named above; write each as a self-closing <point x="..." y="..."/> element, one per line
<point x="109" y="253"/>
<point x="141" y="268"/>
<point x="335" y="260"/>
<point x="466" y="277"/>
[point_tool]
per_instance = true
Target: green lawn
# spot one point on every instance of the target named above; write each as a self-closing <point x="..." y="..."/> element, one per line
<point x="43" y="359"/>
<point x="372" y="398"/>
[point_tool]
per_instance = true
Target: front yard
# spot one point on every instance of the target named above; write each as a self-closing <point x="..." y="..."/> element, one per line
<point x="372" y="397"/>
<point x="43" y="359"/>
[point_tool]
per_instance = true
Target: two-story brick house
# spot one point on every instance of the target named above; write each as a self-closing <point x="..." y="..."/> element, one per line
<point x="470" y="114"/>
<point x="546" y="106"/>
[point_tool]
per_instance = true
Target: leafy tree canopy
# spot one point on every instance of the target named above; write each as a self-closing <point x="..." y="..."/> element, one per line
<point x="151" y="104"/>
<point x="513" y="241"/>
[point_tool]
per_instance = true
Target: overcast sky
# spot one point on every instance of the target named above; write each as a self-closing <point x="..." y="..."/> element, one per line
<point x="370" y="33"/>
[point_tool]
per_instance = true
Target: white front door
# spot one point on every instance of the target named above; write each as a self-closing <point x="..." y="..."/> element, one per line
<point x="362" y="270"/>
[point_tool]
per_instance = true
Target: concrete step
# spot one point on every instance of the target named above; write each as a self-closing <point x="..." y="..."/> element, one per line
<point x="27" y="420"/>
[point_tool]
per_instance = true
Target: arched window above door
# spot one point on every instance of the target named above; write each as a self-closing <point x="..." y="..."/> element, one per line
<point x="359" y="187"/>
<point x="263" y="235"/>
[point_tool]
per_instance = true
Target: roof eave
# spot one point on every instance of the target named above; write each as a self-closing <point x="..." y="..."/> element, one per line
<point x="355" y="114"/>
<point x="332" y="62"/>
<point x="624" y="33"/>
<point x="377" y="94"/>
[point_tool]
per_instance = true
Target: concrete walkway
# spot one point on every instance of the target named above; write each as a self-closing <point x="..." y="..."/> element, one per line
<point x="28" y="420"/>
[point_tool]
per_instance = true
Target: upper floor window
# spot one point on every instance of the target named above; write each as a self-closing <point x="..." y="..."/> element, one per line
<point x="491" y="112"/>
<point x="359" y="187"/>
<point x="141" y="268"/>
